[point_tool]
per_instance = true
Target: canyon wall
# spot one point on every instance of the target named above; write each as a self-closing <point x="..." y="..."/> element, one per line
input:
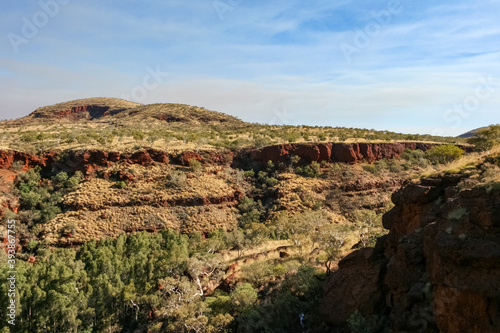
<point x="330" y="152"/>
<point x="438" y="269"/>
<point x="89" y="160"/>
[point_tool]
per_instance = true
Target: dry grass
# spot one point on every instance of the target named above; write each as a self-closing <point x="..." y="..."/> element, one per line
<point x="469" y="161"/>
<point x="104" y="210"/>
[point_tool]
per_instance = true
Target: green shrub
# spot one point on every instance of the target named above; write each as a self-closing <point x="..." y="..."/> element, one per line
<point x="60" y="178"/>
<point x="138" y="135"/>
<point x="194" y="164"/>
<point x="381" y="165"/>
<point x="40" y="198"/>
<point x="372" y="169"/>
<point x="49" y="211"/>
<point x="258" y="273"/>
<point x="290" y="136"/>
<point x="29" y="179"/>
<point x="28" y="137"/>
<point x="30" y="200"/>
<point x="249" y="174"/>
<point x="443" y="154"/>
<point x="265" y="179"/>
<point x="394" y="167"/>
<point x="280" y="270"/>
<point x="243" y="296"/>
<point x="72" y="182"/>
<point x="312" y="170"/>
<point x="250" y="210"/>
<point x="412" y="155"/>
<point x="120" y="184"/>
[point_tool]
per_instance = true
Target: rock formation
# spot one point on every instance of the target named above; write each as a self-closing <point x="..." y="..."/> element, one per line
<point x="438" y="269"/>
<point x="331" y="152"/>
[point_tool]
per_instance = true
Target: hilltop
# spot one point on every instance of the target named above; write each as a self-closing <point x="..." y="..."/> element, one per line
<point x="115" y="124"/>
<point x="473" y="132"/>
<point x="114" y="110"/>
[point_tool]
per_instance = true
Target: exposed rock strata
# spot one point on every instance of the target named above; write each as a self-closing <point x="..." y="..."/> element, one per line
<point x="90" y="160"/>
<point x="330" y="152"/>
<point x="438" y="269"/>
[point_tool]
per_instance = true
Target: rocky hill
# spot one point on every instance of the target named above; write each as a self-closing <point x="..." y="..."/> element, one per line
<point x="109" y="123"/>
<point x="113" y="110"/>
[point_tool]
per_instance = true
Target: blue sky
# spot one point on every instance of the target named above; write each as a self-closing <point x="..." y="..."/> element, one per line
<point x="402" y="65"/>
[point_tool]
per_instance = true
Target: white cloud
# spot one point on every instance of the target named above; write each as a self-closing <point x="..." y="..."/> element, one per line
<point x="263" y="56"/>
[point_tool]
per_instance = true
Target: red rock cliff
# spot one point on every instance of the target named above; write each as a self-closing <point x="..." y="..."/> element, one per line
<point x="331" y="152"/>
<point x="438" y="269"/>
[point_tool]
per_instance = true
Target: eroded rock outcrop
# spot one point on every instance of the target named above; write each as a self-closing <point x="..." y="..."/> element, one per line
<point x="330" y="152"/>
<point x="438" y="269"/>
<point x="90" y="160"/>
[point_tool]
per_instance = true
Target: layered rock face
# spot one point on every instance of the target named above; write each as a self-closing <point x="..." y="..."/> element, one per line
<point x="88" y="161"/>
<point x="438" y="269"/>
<point x="330" y="152"/>
<point x="78" y="112"/>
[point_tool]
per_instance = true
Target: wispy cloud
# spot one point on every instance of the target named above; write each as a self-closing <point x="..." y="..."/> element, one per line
<point x="262" y="56"/>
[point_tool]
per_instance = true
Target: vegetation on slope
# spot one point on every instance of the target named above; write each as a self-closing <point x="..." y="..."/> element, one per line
<point x="253" y="264"/>
<point x="165" y="281"/>
<point x="123" y="125"/>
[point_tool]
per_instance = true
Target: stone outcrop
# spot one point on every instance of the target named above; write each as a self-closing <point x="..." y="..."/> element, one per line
<point x="82" y="109"/>
<point x="91" y="160"/>
<point x="8" y="157"/>
<point x="330" y="152"/>
<point x="78" y="112"/>
<point x="438" y="269"/>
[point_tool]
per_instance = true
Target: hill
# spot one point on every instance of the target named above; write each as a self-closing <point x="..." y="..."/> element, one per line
<point x="115" y="124"/>
<point x="472" y="133"/>
<point x="114" y="110"/>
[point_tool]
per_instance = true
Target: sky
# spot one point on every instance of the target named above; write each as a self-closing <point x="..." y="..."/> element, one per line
<point x="408" y="66"/>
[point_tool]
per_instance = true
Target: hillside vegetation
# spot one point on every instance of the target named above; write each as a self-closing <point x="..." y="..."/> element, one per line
<point x="113" y="124"/>
<point x="125" y="238"/>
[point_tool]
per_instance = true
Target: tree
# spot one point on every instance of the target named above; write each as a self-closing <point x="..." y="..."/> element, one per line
<point x="279" y="225"/>
<point x="487" y="138"/>
<point x="331" y="243"/>
<point x="243" y="296"/>
<point x="258" y="273"/>
<point x="236" y="240"/>
<point x="206" y="265"/>
<point x="250" y="211"/>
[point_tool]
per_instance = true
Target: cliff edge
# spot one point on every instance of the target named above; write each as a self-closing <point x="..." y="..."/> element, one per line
<point x="438" y="269"/>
